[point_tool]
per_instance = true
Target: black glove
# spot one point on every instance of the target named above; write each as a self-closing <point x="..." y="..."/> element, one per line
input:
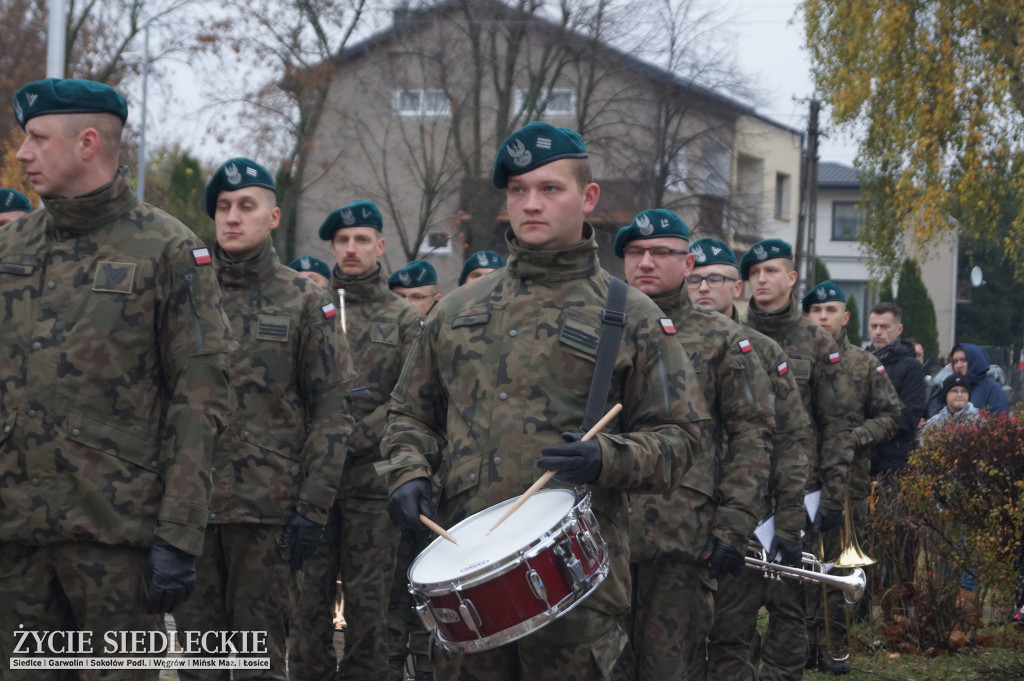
<point x="826" y="519"/>
<point x="407" y="503"/>
<point x="576" y="462"/>
<point x="785" y="552"/>
<point x="170" y="577"/>
<point x="302" y="535"/>
<point x="722" y="558"/>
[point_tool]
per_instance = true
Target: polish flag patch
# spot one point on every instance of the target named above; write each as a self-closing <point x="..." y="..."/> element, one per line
<point x="745" y="346"/>
<point x="329" y="310"/>
<point x="201" y="256"/>
<point x="833" y="357"/>
<point x="880" y="369"/>
<point x="783" y="369"/>
<point x="667" y="326"/>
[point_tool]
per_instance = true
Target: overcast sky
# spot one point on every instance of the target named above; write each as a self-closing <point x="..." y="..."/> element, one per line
<point x="769" y="48"/>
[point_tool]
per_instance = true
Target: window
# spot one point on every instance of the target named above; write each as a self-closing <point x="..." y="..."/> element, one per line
<point x="560" y="101"/>
<point x="783" y="192"/>
<point x="421" y="103"/>
<point x="677" y="173"/>
<point x="847" y="219"/>
<point x="435" y="242"/>
<point x="714" y="170"/>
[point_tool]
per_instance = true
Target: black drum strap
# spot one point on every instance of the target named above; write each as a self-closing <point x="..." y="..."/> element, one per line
<point x="613" y="318"/>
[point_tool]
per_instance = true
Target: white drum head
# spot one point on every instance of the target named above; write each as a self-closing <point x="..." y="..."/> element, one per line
<point x="443" y="561"/>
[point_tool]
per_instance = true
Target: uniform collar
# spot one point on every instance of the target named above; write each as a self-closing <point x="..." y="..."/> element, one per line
<point x="246" y="272"/>
<point x="367" y="288"/>
<point x="675" y="304"/>
<point x="85" y="213"/>
<point x="770" y="322"/>
<point x="572" y="262"/>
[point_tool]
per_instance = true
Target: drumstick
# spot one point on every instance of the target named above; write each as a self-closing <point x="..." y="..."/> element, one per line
<point x="438" y="529"/>
<point x="546" y="477"/>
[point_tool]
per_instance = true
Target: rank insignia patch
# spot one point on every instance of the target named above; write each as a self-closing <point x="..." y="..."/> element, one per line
<point x="114" y="277"/>
<point x="384" y="333"/>
<point x="273" y="328"/>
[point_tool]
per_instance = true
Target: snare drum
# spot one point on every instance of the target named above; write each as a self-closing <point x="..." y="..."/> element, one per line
<point x="492" y="589"/>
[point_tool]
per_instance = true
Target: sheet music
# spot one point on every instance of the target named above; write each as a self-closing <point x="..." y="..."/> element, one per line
<point x="811" y="501"/>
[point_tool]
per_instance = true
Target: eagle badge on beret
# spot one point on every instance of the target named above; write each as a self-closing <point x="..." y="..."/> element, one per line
<point x="232" y="174"/>
<point x="521" y="156"/>
<point x="644" y="226"/>
<point x="405" y="278"/>
<point x="760" y="252"/>
<point x="698" y="253"/>
<point x="481" y="258"/>
<point x="348" y="217"/>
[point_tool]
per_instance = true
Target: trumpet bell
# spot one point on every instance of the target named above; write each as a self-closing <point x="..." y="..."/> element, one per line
<point x="851" y="556"/>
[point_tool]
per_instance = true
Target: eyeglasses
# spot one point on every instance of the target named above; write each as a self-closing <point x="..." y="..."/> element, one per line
<point x="714" y="280"/>
<point x="657" y="252"/>
<point x="416" y="297"/>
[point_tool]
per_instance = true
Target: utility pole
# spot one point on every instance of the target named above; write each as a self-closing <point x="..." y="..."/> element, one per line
<point x="807" y="224"/>
<point x="812" y="191"/>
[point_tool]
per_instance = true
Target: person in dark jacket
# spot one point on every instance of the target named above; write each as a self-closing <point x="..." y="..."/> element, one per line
<point x="907" y="376"/>
<point x="986" y="394"/>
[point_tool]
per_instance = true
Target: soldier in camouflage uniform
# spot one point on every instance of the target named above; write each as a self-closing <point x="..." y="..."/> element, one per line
<point x="13" y="205"/>
<point x="112" y="385"/>
<point x="277" y="465"/>
<point x="314" y="269"/>
<point x="479" y="264"/>
<point x="876" y="412"/>
<point x="482" y="426"/>
<point x="715" y="284"/>
<point x="360" y="541"/>
<point x="683" y="541"/>
<point x="814" y="359"/>
<point x="416" y="283"/>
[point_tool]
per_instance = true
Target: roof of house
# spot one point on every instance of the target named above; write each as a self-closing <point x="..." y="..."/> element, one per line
<point x="410" y="17"/>
<point x="833" y="175"/>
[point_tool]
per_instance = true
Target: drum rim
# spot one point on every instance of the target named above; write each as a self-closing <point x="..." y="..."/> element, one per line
<point x="533" y="624"/>
<point x="505" y="563"/>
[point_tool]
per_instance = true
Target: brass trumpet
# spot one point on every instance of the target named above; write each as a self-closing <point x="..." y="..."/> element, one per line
<point x="852" y="585"/>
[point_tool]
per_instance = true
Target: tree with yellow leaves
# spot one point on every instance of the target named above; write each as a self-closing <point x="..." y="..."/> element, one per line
<point x="938" y="88"/>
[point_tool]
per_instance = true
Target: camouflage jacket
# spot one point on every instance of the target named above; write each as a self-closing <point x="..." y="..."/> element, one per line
<point x="284" y="448"/>
<point x="724" y="492"/>
<point x="504" y="365"/>
<point x="380" y="328"/>
<point x="876" y="411"/>
<point x="112" y="375"/>
<point x="814" y="359"/>
<point x="789" y="458"/>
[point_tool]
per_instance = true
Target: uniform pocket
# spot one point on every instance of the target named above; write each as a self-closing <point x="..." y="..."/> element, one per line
<point x="462" y="477"/>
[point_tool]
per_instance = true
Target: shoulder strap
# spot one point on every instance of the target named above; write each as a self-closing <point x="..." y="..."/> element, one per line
<point x="613" y="318"/>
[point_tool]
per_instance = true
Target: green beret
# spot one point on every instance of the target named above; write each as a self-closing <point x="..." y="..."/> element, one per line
<point x="532" y="146"/>
<point x="11" y="199"/>
<point x="360" y="213"/>
<point x="67" y="96"/>
<point x="769" y="249"/>
<point x="708" y="251"/>
<point x="415" y="274"/>
<point x="822" y="293"/>
<point x="233" y="175"/>
<point x="478" y="261"/>
<point x="308" y="263"/>
<point x="650" y="224"/>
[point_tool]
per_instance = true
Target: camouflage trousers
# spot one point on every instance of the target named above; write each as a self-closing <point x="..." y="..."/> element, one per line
<point x="359" y="545"/>
<point x="406" y="635"/>
<point x="581" y="645"/>
<point x="242" y="584"/>
<point x="92" y="588"/>
<point x="671" y="613"/>
<point x="734" y="627"/>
